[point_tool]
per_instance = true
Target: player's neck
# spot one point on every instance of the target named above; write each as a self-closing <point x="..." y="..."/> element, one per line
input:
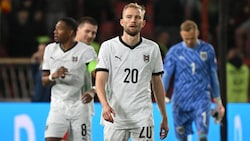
<point x="68" y="45"/>
<point x="131" y="40"/>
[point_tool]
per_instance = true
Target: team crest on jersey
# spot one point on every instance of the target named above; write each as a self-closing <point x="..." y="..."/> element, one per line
<point x="146" y="58"/>
<point x="74" y="59"/>
<point x="203" y="55"/>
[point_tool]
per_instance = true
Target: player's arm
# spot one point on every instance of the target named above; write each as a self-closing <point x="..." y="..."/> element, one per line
<point x="101" y="79"/>
<point x="166" y="77"/>
<point x="45" y="78"/>
<point x="159" y="94"/>
<point x="168" y="72"/>
<point x="91" y="67"/>
<point x="50" y="78"/>
<point x="88" y="95"/>
<point x="216" y="97"/>
<point x="214" y="80"/>
<point x="216" y="88"/>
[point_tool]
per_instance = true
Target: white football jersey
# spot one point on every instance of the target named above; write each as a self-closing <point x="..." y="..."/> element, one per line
<point x="66" y="93"/>
<point x="130" y="72"/>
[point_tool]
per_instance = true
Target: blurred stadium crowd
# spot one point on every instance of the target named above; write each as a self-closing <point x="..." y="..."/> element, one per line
<point x="27" y="23"/>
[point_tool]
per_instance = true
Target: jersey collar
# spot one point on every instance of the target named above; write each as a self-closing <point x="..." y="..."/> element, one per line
<point x="131" y="47"/>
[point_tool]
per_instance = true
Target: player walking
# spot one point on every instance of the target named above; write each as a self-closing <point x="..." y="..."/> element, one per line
<point x="127" y="65"/>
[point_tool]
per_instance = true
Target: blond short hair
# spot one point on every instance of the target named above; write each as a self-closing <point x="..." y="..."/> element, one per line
<point x="188" y="25"/>
<point x="134" y="5"/>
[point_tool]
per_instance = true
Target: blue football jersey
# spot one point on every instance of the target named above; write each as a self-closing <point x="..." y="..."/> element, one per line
<point x="192" y="69"/>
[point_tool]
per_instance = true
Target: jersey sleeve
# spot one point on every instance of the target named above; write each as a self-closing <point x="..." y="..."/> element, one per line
<point x="103" y="62"/>
<point x="158" y="65"/>
<point x="214" y="76"/>
<point x="90" y="59"/>
<point x="169" y="67"/>
<point x="46" y="56"/>
<point x="90" y="55"/>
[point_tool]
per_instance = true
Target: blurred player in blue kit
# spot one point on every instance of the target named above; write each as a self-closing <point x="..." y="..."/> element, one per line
<point x="192" y="62"/>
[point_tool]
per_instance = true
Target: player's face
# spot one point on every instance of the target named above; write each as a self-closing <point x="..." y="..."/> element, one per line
<point x="132" y="21"/>
<point x="62" y="32"/>
<point x="190" y="37"/>
<point x="86" y="33"/>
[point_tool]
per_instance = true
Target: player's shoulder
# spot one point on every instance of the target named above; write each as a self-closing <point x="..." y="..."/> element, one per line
<point x="110" y="43"/>
<point x="52" y="46"/>
<point x="205" y="44"/>
<point x="82" y="46"/>
<point x="114" y="40"/>
<point x="177" y="46"/>
<point x="148" y="42"/>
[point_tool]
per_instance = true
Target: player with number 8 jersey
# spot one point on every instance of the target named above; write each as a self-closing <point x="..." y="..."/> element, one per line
<point x="65" y="68"/>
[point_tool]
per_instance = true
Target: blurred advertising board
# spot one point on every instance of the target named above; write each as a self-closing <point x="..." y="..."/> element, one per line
<point x="26" y="122"/>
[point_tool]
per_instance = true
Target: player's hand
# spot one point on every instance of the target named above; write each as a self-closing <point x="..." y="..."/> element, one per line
<point x="86" y="98"/>
<point x="221" y="112"/>
<point x="218" y="114"/>
<point x="164" y="129"/>
<point x="108" y="113"/>
<point x="61" y="72"/>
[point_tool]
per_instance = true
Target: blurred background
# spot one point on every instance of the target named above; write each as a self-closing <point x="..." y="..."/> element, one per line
<point x="26" y="27"/>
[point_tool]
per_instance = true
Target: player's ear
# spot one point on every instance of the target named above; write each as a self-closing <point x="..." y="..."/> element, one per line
<point x="197" y="33"/>
<point x="181" y="33"/>
<point x="143" y="23"/>
<point x="121" y="22"/>
<point x="72" y="32"/>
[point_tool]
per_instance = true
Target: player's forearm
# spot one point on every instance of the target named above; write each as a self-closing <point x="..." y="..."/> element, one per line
<point x="165" y="81"/>
<point x="218" y="101"/>
<point x="102" y="98"/>
<point x="100" y="90"/>
<point x="160" y="99"/>
<point x="47" y="79"/>
<point x="159" y="94"/>
<point x="215" y="84"/>
<point x="101" y="78"/>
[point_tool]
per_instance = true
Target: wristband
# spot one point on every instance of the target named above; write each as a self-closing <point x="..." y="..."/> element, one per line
<point x="50" y="78"/>
<point x="93" y="91"/>
<point x="218" y="101"/>
<point x="92" y="94"/>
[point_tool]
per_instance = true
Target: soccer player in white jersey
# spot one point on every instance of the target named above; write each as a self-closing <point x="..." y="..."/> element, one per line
<point x="64" y="67"/>
<point x="126" y="66"/>
<point x="86" y="33"/>
<point x="193" y="64"/>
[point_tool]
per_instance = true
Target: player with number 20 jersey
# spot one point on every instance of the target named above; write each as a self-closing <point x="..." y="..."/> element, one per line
<point x="129" y="70"/>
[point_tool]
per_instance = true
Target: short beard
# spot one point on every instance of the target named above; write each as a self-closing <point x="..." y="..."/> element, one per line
<point x="131" y="33"/>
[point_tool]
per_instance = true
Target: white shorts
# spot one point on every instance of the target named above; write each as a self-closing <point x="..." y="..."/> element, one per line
<point x="136" y="134"/>
<point x="59" y="122"/>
